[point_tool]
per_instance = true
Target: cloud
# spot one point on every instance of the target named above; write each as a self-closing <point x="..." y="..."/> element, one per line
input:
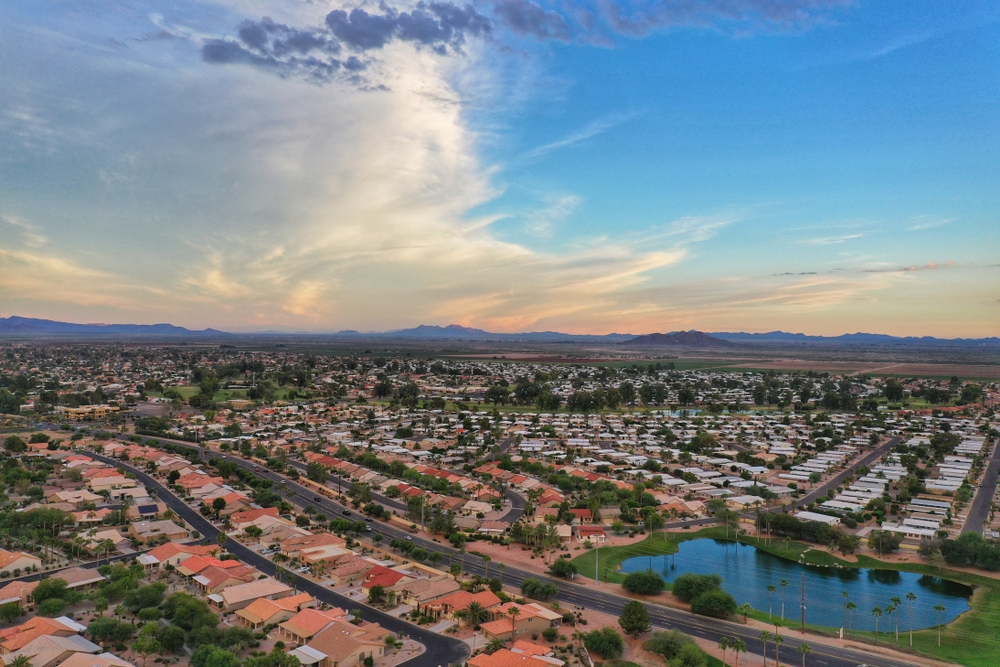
<point x="31" y="235"/>
<point x="529" y="18"/>
<point x="540" y="222"/>
<point x="928" y="222"/>
<point x="831" y="240"/>
<point x="588" y="132"/>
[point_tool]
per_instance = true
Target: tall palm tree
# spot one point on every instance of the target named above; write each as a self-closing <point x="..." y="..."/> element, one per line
<point x="765" y="637"/>
<point x="844" y="595"/>
<point x="910" y="597"/>
<point x="486" y="563"/>
<point x="939" y="608"/>
<point x="896" y="604"/>
<point x="778" y="641"/>
<point x="784" y="584"/>
<point x="804" y="649"/>
<point x="739" y="646"/>
<point x="724" y="645"/>
<point x="771" y="588"/>
<point x="513" y="612"/>
<point x="850" y="606"/>
<point x="877" y="613"/>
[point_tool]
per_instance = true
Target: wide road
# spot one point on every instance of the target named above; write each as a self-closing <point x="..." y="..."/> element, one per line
<point x="580" y="594"/>
<point x="979" y="511"/>
<point x="441" y="651"/>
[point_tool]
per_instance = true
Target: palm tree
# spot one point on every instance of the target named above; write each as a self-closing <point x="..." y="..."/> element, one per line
<point x="939" y="608"/>
<point x="21" y="661"/>
<point x="778" y="641"/>
<point x="896" y="603"/>
<point x="784" y="584"/>
<point x="844" y="595"/>
<point x="739" y="646"/>
<point x="910" y="597"/>
<point x="474" y="613"/>
<point x="850" y="606"/>
<point x="486" y="563"/>
<point x="745" y="609"/>
<point x="877" y="613"/>
<point x="724" y="645"/>
<point x="804" y="649"/>
<point x="771" y="588"/>
<point x="513" y="612"/>
<point x="765" y="637"/>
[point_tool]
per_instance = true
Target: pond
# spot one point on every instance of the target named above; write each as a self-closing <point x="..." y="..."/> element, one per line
<point x="746" y="573"/>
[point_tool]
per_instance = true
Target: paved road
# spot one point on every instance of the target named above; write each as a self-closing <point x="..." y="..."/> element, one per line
<point x="441" y="651"/>
<point x="979" y="510"/>
<point x="571" y="593"/>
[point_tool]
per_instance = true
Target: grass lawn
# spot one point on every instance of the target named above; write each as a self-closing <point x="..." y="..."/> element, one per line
<point x="972" y="639"/>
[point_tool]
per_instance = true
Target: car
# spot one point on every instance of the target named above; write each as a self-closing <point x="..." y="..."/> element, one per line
<point x="368" y="519"/>
<point x="256" y="468"/>
<point x="409" y="538"/>
<point x="368" y="529"/>
<point x="346" y="512"/>
<point x="317" y="499"/>
<point x="303" y="569"/>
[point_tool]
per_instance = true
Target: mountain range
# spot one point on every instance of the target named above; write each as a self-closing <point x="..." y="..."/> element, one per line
<point x="26" y="326"/>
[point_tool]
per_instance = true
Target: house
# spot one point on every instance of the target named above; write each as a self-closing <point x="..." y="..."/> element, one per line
<point x="74" y="498"/>
<point x="11" y="561"/>
<point x="145" y="531"/>
<point x="102" y="660"/>
<point x="235" y="598"/>
<point x="317" y="544"/>
<point x="381" y="576"/>
<point x="493" y="527"/>
<point x="52" y="650"/>
<point x="263" y="612"/>
<point x="507" y="658"/>
<point x="306" y="624"/>
<point x="528" y="621"/>
<point x="418" y="592"/>
<point x="240" y="520"/>
<point x="343" y="645"/>
<point x="347" y="569"/>
<point x="18" y="591"/>
<point x="80" y="578"/>
<point x="120" y="542"/>
<point x="91" y="517"/>
<point x="17" y="637"/>
<point x="146" y="511"/>
<point x="214" y="579"/>
<point x="172" y="553"/>
<point x="195" y="564"/>
<point x="584" y="516"/>
<point x="447" y="606"/>
<point x="593" y="534"/>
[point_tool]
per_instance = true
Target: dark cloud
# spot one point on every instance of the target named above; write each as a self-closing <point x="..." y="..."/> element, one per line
<point x="441" y="26"/>
<point x="529" y="18"/>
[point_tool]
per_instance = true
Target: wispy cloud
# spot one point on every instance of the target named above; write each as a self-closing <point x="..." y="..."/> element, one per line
<point x="587" y="132"/>
<point x="831" y="240"/>
<point x="541" y="221"/>
<point x="928" y="222"/>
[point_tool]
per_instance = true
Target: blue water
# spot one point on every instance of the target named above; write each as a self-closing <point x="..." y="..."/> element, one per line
<point x="747" y="572"/>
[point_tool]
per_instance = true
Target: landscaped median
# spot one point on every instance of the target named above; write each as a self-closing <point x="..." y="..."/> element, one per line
<point x="972" y="639"/>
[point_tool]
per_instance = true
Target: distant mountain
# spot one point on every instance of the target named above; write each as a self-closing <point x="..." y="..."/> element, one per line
<point x="29" y="325"/>
<point x="458" y="332"/>
<point x="677" y="339"/>
<point x="851" y="339"/>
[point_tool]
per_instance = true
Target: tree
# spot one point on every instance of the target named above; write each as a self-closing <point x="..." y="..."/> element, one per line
<point x="210" y="655"/>
<point x="717" y="603"/>
<point x="765" y="637"/>
<point x="21" y="661"/>
<point x="778" y="641"/>
<point x="770" y="599"/>
<point x="724" y="645"/>
<point x="605" y="642"/>
<point x="784" y="584"/>
<point x="738" y="646"/>
<point x="877" y="614"/>
<point x="939" y="609"/>
<point x="14" y="444"/>
<point x="805" y="649"/>
<point x="689" y="586"/>
<point x="475" y="614"/>
<point x="910" y="598"/>
<point x="317" y="472"/>
<point x="376" y="595"/>
<point x="146" y="643"/>
<point x="276" y="658"/>
<point x="10" y="612"/>
<point x="171" y="639"/>
<point x="563" y="568"/>
<point x="218" y="505"/>
<point x="644" y="583"/>
<point x="635" y="618"/>
<point x="253" y="532"/>
<point x="52" y="607"/>
<point x="108" y="629"/>
<point x="534" y="588"/>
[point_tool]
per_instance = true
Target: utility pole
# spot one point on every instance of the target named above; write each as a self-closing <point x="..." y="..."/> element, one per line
<point x="803" y="602"/>
<point x="597" y="561"/>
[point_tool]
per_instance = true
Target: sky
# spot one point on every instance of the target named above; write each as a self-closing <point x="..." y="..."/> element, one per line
<point x="591" y="166"/>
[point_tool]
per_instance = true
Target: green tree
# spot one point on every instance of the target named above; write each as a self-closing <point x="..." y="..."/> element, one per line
<point x="563" y="568"/>
<point x="635" y="618"/>
<point x="605" y="642"/>
<point x="10" y="612"/>
<point x="717" y="603"/>
<point x="376" y="595"/>
<point x="317" y="472"/>
<point x="171" y="639"/>
<point x="210" y="655"/>
<point x="644" y="583"/>
<point x="146" y="643"/>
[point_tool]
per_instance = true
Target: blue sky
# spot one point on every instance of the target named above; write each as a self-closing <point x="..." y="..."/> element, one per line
<point x="806" y="165"/>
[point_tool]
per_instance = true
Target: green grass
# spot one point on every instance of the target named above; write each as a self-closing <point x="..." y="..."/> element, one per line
<point x="972" y="639"/>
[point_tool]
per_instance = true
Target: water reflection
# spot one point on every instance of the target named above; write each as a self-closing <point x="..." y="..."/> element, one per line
<point x="747" y="572"/>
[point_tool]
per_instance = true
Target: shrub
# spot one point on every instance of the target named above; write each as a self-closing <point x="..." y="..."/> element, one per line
<point x="563" y="568"/>
<point x="678" y="648"/>
<point x="689" y="586"/>
<point x="52" y="607"/>
<point x="606" y="643"/>
<point x="717" y="603"/>
<point x="644" y="583"/>
<point x="550" y="634"/>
